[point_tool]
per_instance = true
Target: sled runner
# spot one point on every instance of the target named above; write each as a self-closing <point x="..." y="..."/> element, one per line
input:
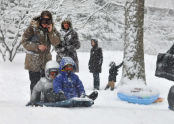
<point x="74" y="102"/>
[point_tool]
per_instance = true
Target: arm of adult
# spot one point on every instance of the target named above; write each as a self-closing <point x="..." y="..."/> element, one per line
<point x="100" y="57"/>
<point x="26" y="40"/>
<point x="54" y="36"/>
<point x="75" y="44"/>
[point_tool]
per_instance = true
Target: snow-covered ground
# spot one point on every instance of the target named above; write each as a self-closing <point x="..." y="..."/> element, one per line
<point x="14" y="94"/>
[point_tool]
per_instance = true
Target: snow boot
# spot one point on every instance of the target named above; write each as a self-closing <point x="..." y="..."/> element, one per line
<point x="93" y="95"/>
<point x="112" y="84"/>
<point x="107" y="87"/>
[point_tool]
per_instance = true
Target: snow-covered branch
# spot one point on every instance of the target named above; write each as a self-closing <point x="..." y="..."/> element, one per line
<point x="101" y="8"/>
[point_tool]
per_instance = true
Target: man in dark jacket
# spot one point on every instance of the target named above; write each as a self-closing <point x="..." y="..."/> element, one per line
<point x="69" y="43"/>
<point x="95" y="62"/>
<point x="113" y="72"/>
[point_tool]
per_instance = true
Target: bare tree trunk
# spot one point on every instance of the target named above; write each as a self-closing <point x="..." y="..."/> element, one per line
<point x="133" y="67"/>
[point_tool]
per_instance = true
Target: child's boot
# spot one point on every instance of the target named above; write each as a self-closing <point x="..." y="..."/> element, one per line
<point x="112" y="85"/>
<point x="107" y="87"/>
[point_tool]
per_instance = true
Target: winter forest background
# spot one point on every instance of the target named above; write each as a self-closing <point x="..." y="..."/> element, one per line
<point x="99" y="19"/>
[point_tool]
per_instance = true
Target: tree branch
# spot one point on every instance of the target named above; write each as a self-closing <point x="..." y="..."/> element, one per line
<point x="105" y="5"/>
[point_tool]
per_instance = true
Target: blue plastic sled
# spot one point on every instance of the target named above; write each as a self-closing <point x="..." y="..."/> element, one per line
<point x="138" y="100"/>
<point x="67" y="103"/>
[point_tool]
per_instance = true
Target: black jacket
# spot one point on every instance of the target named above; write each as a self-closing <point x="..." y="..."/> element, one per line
<point x="113" y="72"/>
<point x="96" y="60"/>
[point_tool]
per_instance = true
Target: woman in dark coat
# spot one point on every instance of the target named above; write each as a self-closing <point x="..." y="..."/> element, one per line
<point x="95" y="62"/>
<point x="69" y="43"/>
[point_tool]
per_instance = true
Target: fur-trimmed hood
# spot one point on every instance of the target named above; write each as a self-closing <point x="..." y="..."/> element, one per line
<point x="68" y="22"/>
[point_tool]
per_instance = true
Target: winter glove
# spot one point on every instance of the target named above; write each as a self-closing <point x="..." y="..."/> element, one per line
<point x="59" y="50"/>
<point x="61" y="96"/>
<point x="61" y="39"/>
<point x="70" y="48"/>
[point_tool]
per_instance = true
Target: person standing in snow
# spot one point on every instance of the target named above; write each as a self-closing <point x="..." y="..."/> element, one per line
<point x="113" y="72"/>
<point x="95" y="62"/>
<point x="45" y="84"/>
<point x="69" y="43"/>
<point x="37" y="40"/>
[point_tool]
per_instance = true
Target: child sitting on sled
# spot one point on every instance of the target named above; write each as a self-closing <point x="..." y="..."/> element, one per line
<point x="65" y="86"/>
<point x="45" y="83"/>
<point x="113" y="72"/>
<point x="67" y="83"/>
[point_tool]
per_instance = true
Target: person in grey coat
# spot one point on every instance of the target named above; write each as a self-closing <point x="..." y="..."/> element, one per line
<point x="45" y="83"/>
<point x="69" y="43"/>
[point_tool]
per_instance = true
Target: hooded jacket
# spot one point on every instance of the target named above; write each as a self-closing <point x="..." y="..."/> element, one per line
<point x="35" y="35"/>
<point x="68" y="45"/>
<point x="96" y="59"/>
<point x="68" y="83"/>
<point x="45" y="83"/>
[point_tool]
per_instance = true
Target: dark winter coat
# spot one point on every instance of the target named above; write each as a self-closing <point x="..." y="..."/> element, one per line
<point x="96" y="59"/>
<point x="113" y="72"/>
<point x="33" y="36"/>
<point x="68" y="46"/>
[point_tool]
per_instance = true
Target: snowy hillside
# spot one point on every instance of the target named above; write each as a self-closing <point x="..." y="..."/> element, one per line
<point x="108" y="109"/>
<point x="100" y="19"/>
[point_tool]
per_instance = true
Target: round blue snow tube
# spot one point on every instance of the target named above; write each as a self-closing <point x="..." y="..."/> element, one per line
<point x="137" y="99"/>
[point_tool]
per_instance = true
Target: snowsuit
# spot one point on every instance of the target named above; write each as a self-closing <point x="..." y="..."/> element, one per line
<point x="44" y="85"/>
<point x="68" y="83"/>
<point x="95" y="63"/>
<point x="35" y="60"/>
<point x="113" y="72"/>
<point x="69" y="44"/>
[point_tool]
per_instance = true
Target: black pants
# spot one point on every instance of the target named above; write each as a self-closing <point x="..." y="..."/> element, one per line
<point x="35" y="77"/>
<point x="96" y="80"/>
<point x="51" y="96"/>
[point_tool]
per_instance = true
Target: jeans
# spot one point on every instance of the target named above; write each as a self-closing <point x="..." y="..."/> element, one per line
<point x="96" y="80"/>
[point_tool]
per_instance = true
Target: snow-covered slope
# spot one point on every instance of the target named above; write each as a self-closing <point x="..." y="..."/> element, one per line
<point x="14" y="91"/>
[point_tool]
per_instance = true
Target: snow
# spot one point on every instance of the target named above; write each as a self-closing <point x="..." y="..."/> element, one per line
<point x="15" y="93"/>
